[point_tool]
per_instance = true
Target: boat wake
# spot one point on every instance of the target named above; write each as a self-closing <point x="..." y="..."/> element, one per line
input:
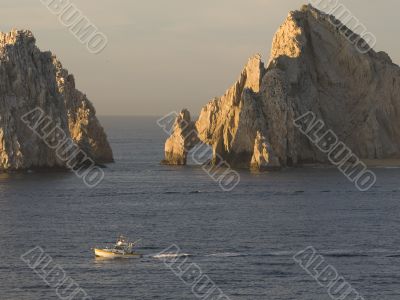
<point x="226" y="254"/>
<point x="331" y="253"/>
<point x="170" y="255"/>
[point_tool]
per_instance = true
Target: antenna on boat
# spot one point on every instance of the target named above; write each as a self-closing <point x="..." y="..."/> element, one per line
<point x="136" y="242"/>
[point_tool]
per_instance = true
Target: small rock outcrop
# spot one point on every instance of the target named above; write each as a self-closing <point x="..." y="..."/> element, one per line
<point x="184" y="138"/>
<point x="313" y="66"/>
<point x="262" y="155"/>
<point x="29" y="80"/>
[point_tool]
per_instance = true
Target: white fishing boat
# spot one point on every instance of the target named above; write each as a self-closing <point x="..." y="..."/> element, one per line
<point x="122" y="249"/>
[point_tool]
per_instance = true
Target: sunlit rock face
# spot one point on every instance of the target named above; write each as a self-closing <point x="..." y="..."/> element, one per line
<point x="183" y="139"/>
<point x="313" y="66"/>
<point x="31" y="79"/>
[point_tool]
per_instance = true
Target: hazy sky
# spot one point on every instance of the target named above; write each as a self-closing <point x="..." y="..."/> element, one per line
<point x="164" y="55"/>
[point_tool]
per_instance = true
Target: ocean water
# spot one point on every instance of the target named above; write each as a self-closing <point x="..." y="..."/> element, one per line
<point x="243" y="240"/>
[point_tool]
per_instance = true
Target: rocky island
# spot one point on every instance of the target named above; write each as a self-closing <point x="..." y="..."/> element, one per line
<point x="32" y="80"/>
<point x="314" y="66"/>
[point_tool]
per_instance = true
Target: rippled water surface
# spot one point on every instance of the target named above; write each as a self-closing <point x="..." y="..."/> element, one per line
<point x="243" y="240"/>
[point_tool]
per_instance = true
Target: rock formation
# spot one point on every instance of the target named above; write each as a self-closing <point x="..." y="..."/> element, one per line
<point x="313" y="66"/>
<point x="31" y="79"/>
<point x="184" y="138"/>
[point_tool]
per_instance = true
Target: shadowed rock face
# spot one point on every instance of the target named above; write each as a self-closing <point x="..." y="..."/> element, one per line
<point x="32" y="79"/>
<point x="312" y="67"/>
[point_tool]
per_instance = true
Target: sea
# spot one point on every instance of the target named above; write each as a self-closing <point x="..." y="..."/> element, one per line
<point x="242" y="242"/>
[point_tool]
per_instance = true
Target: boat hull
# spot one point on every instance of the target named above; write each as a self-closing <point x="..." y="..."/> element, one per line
<point x="111" y="255"/>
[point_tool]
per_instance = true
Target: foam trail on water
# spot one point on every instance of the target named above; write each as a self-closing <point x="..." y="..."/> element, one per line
<point x="170" y="255"/>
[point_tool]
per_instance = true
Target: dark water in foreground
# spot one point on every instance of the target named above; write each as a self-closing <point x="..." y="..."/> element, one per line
<point x="243" y="240"/>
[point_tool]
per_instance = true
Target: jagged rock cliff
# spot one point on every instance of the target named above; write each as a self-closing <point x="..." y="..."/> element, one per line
<point x="315" y="67"/>
<point x="183" y="139"/>
<point x="32" y="79"/>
